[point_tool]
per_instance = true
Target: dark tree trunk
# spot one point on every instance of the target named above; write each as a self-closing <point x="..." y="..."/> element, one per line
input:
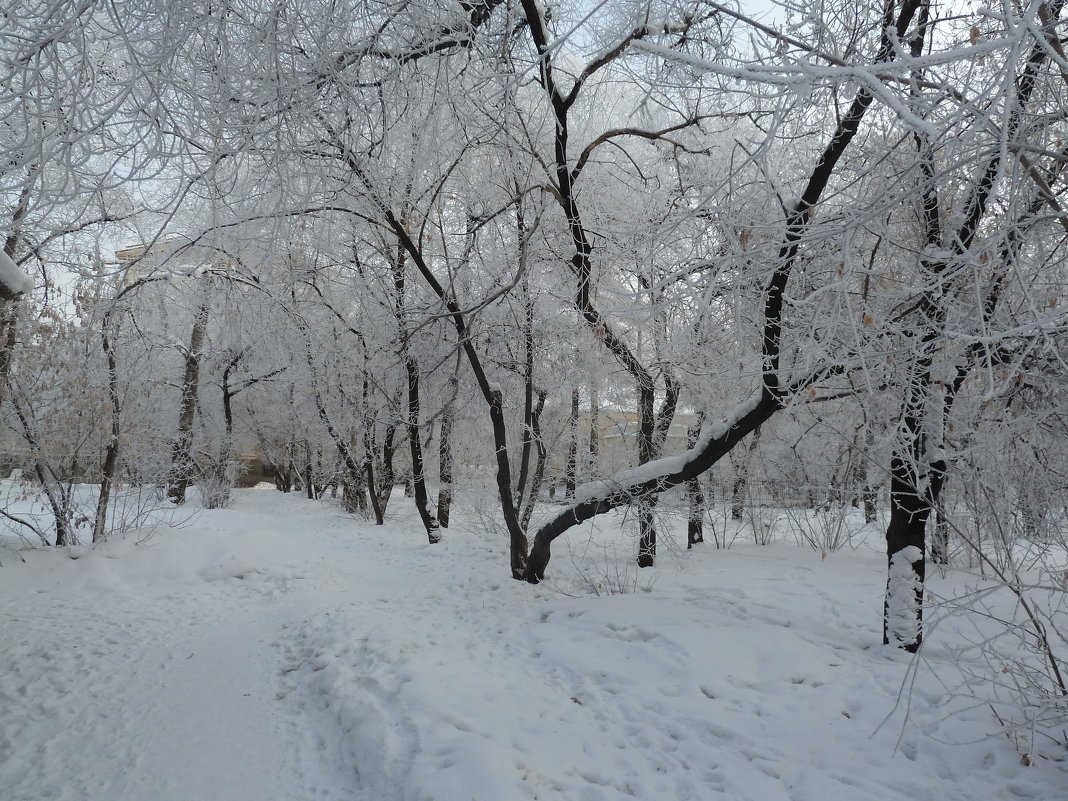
<point x="916" y="483"/>
<point x="940" y="540"/>
<point x="539" y="465"/>
<point x="867" y="488"/>
<point x="182" y="465"/>
<point x="905" y="548"/>
<point x="695" y="532"/>
<point x="494" y="400"/>
<point x="422" y="499"/>
<point x="594" y="467"/>
<point x="445" y="460"/>
<point x="417" y="479"/>
<point x="385" y="474"/>
<point x="571" y="466"/>
<point x="646" y="450"/>
<point x="309" y="479"/>
<point x="527" y="439"/>
<point x="354" y="471"/>
<point x="746" y="419"/>
<point x="445" y="476"/>
<point x="111" y="452"/>
<point x="378" y="470"/>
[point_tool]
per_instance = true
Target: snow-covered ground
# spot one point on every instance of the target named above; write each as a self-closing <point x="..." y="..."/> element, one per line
<point x="282" y="651"/>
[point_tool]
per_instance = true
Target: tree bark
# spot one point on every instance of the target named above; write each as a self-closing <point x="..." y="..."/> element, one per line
<point x="411" y="369"/>
<point x="445" y="475"/>
<point x="528" y="392"/>
<point x="422" y="499"/>
<point x="593" y="466"/>
<point x="712" y="447"/>
<point x="182" y="465"/>
<point x="539" y="465"/>
<point x="695" y="496"/>
<point x="571" y="466"/>
<point x="111" y="453"/>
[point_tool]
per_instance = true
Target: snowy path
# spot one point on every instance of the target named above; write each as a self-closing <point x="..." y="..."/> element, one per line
<point x="282" y="652"/>
<point x="168" y="690"/>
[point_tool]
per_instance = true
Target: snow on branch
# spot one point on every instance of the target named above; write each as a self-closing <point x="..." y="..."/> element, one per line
<point x="652" y="477"/>
<point x="13" y="281"/>
<point x="631" y="481"/>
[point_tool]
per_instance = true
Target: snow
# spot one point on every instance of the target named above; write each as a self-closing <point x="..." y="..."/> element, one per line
<point x="281" y="650"/>
<point x="12" y="277"/>
<point x="901" y="622"/>
<point x="666" y="465"/>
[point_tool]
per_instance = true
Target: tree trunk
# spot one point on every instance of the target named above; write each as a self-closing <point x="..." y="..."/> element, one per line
<point x="111" y="453"/>
<point x="571" y="466"/>
<point x="527" y="440"/>
<point x="695" y="496"/>
<point x="741" y="478"/>
<point x="354" y="494"/>
<point x="916" y="480"/>
<point x="517" y="538"/>
<point x="593" y="467"/>
<point x="940" y="540"/>
<point x="417" y="480"/>
<point x="906" y="565"/>
<point x="59" y="499"/>
<point x="539" y="465"/>
<point x="58" y="496"/>
<point x="181" y="455"/>
<point x="422" y="499"/>
<point x="9" y="312"/>
<point x="646" y="518"/>
<point x="445" y="476"/>
<point x="867" y="488"/>
<point x="383" y="490"/>
<point x="745" y="418"/>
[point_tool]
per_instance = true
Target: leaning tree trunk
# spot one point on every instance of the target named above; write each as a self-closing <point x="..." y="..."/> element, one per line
<point x="527" y="440"/>
<point x="418" y="479"/>
<point x="58" y="496"/>
<point x="517" y="538"/>
<point x="540" y="462"/>
<point x="59" y="499"/>
<point x="422" y="498"/>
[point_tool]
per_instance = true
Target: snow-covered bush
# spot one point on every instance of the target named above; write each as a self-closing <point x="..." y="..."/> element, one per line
<point x="215" y="481"/>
